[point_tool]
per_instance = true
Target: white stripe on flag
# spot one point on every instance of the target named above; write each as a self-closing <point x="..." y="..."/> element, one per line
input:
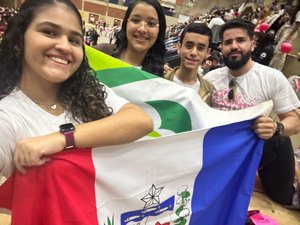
<point x="201" y="114"/>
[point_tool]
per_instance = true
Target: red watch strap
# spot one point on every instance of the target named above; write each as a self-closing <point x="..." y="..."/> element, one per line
<point x="70" y="139"/>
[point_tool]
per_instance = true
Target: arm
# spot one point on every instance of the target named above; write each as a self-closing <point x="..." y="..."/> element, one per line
<point x="295" y="28"/>
<point x="291" y="123"/>
<point x="211" y="23"/>
<point x="7" y="146"/>
<point x="128" y="124"/>
<point x="297" y="172"/>
<point x="167" y="68"/>
<point x="265" y="127"/>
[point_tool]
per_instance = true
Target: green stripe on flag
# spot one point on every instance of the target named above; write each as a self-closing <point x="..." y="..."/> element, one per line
<point x="100" y="61"/>
<point x="154" y="134"/>
<point x="120" y="76"/>
<point x="170" y="112"/>
<point x="113" y="73"/>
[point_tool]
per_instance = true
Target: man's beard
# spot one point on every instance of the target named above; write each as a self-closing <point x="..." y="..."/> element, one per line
<point x="236" y="64"/>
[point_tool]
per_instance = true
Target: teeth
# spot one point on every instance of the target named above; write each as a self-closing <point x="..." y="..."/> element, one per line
<point x="59" y="60"/>
<point x="141" y="38"/>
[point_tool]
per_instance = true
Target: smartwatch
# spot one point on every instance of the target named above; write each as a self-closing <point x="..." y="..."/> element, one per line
<point x="68" y="130"/>
<point x="279" y="128"/>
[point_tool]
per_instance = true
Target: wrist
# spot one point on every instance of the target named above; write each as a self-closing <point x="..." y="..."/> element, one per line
<point x="61" y="140"/>
<point x="56" y="143"/>
<point x="275" y="128"/>
<point x="67" y="130"/>
<point x="279" y="128"/>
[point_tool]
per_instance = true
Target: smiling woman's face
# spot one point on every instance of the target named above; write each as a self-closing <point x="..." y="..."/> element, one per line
<point x="141" y="30"/>
<point x="52" y="45"/>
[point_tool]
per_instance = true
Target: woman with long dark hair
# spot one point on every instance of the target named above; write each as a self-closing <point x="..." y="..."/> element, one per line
<point x="141" y="40"/>
<point x="50" y="99"/>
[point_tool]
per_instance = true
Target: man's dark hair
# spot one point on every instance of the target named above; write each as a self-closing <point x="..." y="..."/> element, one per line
<point x="199" y="28"/>
<point x="238" y="23"/>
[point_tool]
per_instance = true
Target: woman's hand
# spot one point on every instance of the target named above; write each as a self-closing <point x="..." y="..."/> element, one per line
<point x="167" y="68"/>
<point x="34" y="151"/>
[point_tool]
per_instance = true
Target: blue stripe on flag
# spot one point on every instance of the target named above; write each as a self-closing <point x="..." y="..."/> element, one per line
<point x="231" y="155"/>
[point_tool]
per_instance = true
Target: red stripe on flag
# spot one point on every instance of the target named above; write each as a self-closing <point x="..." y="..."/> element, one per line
<point x="6" y="193"/>
<point x="60" y="192"/>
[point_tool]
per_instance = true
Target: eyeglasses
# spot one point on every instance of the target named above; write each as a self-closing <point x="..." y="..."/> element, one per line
<point x="232" y="92"/>
<point x="139" y="22"/>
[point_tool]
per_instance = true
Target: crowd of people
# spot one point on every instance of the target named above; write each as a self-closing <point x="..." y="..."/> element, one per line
<point x="95" y="31"/>
<point x="42" y="63"/>
<point x="283" y="23"/>
<point x="5" y="14"/>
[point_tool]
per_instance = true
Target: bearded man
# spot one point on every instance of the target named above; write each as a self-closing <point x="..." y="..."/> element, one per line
<point x="243" y="83"/>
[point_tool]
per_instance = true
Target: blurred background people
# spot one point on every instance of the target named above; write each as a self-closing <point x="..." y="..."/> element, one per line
<point x="263" y="48"/>
<point x="287" y="33"/>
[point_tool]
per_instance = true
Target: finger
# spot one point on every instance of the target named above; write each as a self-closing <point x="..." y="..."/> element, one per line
<point x="263" y="130"/>
<point x="263" y="119"/>
<point x="35" y="158"/>
<point x="265" y="122"/>
<point x="264" y="133"/>
<point x="28" y="159"/>
<point x="18" y="164"/>
<point x="264" y="137"/>
<point x="42" y="161"/>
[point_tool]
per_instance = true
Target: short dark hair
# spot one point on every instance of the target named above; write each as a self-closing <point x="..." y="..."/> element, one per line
<point x="238" y="23"/>
<point x="199" y="28"/>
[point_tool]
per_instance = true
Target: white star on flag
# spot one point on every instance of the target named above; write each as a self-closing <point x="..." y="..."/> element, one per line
<point x="152" y="198"/>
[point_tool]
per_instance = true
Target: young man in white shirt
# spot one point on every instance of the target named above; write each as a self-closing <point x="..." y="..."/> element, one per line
<point x="193" y="49"/>
<point x="244" y="83"/>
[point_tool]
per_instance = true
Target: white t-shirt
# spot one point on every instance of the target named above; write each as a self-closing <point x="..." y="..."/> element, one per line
<point x="259" y="84"/>
<point x="297" y="18"/>
<point x="20" y="118"/>
<point x="195" y="86"/>
<point x="217" y="21"/>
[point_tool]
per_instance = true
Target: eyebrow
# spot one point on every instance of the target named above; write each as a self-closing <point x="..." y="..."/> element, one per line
<point x="198" y="44"/>
<point x="46" y="23"/>
<point x="239" y="37"/>
<point x="139" y="16"/>
<point x="202" y="44"/>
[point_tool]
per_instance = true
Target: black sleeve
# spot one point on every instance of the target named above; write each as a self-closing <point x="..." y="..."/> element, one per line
<point x="264" y="56"/>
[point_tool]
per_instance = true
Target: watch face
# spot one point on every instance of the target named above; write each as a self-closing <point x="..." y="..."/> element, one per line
<point x="280" y="128"/>
<point x="66" y="127"/>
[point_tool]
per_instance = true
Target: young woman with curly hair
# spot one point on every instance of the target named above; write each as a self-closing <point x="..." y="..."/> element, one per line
<point x="50" y="99"/>
<point x="141" y="40"/>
